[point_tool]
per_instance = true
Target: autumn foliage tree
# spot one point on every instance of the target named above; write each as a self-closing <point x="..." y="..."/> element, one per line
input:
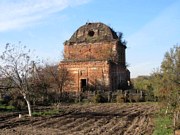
<point x="166" y="82"/>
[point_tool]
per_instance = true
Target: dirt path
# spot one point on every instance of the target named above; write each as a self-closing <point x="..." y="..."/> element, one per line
<point x="88" y="119"/>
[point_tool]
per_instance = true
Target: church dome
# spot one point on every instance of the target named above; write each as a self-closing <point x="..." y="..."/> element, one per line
<point x="93" y="32"/>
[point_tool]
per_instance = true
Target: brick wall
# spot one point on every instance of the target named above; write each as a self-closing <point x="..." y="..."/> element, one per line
<point x="96" y="74"/>
<point x="95" y="51"/>
<point x="95" y="56"/>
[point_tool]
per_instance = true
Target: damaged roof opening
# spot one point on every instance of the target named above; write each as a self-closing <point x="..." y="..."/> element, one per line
<point x="91" y="33"/>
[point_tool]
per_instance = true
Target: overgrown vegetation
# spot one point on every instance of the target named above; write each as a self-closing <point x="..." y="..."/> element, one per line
<point x="23" y="84"/>
<point x="164" y="85"/>
<point x="99" y="98"/>
<point x="166" y="82"/>
<point x="163" y="124"/>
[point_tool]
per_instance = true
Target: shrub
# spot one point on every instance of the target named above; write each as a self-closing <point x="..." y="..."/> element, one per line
<point x="18" y="103"/>
<point x="120" y="98"/>
<point x="135" y="98"/>
<point x="99" y="98"/>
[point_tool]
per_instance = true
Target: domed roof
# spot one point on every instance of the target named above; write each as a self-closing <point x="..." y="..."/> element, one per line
<point x="93" y="32"/>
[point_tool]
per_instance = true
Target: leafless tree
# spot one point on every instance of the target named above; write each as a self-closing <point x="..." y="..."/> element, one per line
<point x="56" y="77"/>
<point x="18" y="67"/>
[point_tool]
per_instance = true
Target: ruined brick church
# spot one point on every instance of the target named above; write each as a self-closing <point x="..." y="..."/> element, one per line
<point x="95" y="58"/>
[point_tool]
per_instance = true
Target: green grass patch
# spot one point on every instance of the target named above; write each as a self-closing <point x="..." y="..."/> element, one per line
<point x="46" y="113"/>
<point x="7" y="108"/>
<point x="163" y="125"/>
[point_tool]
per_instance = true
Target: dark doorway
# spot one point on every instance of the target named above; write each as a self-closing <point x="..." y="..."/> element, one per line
<point x="83" y="83"/>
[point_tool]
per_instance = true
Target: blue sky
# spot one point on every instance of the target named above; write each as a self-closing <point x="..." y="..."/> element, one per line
<point x="150" y="27"/>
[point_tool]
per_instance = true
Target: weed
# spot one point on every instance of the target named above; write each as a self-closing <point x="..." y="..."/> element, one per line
<point x="163" y="125"/>
<point x="99" y="98"/>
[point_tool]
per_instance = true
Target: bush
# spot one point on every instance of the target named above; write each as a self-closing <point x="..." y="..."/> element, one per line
<point x="19" y="103"/>
<point x="5" y="106"/>
<point x="137" y="98"/>
<point x="99" y="98"/>
<point x="120" y="98"/>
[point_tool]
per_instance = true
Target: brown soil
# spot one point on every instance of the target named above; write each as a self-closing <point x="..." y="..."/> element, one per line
<point x="86" y="119"/>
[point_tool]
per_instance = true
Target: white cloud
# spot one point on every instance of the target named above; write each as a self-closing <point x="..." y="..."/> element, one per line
<point x="20" y="13"/>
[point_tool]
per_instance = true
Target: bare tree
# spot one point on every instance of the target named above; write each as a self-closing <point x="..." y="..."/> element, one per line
<point x="17" y="67"/>
<point x="56" y="78"/>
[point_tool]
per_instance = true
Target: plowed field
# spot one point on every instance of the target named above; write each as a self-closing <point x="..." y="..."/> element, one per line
<point x="86" y="119"/>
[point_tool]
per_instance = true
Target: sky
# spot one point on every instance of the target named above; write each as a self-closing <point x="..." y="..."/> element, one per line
<point x="150" y="27"/>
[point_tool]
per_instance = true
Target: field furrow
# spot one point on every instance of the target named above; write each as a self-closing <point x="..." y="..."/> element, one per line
<point x="87" y="119"/>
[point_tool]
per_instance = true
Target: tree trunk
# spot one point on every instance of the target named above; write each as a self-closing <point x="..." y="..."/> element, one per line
<point x="28" y="105"/>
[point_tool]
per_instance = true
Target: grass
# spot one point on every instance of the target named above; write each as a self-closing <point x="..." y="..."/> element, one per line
<point x="46" y="113"/>
<point x="163" y="125"/>
<point x="7" y="108"/>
